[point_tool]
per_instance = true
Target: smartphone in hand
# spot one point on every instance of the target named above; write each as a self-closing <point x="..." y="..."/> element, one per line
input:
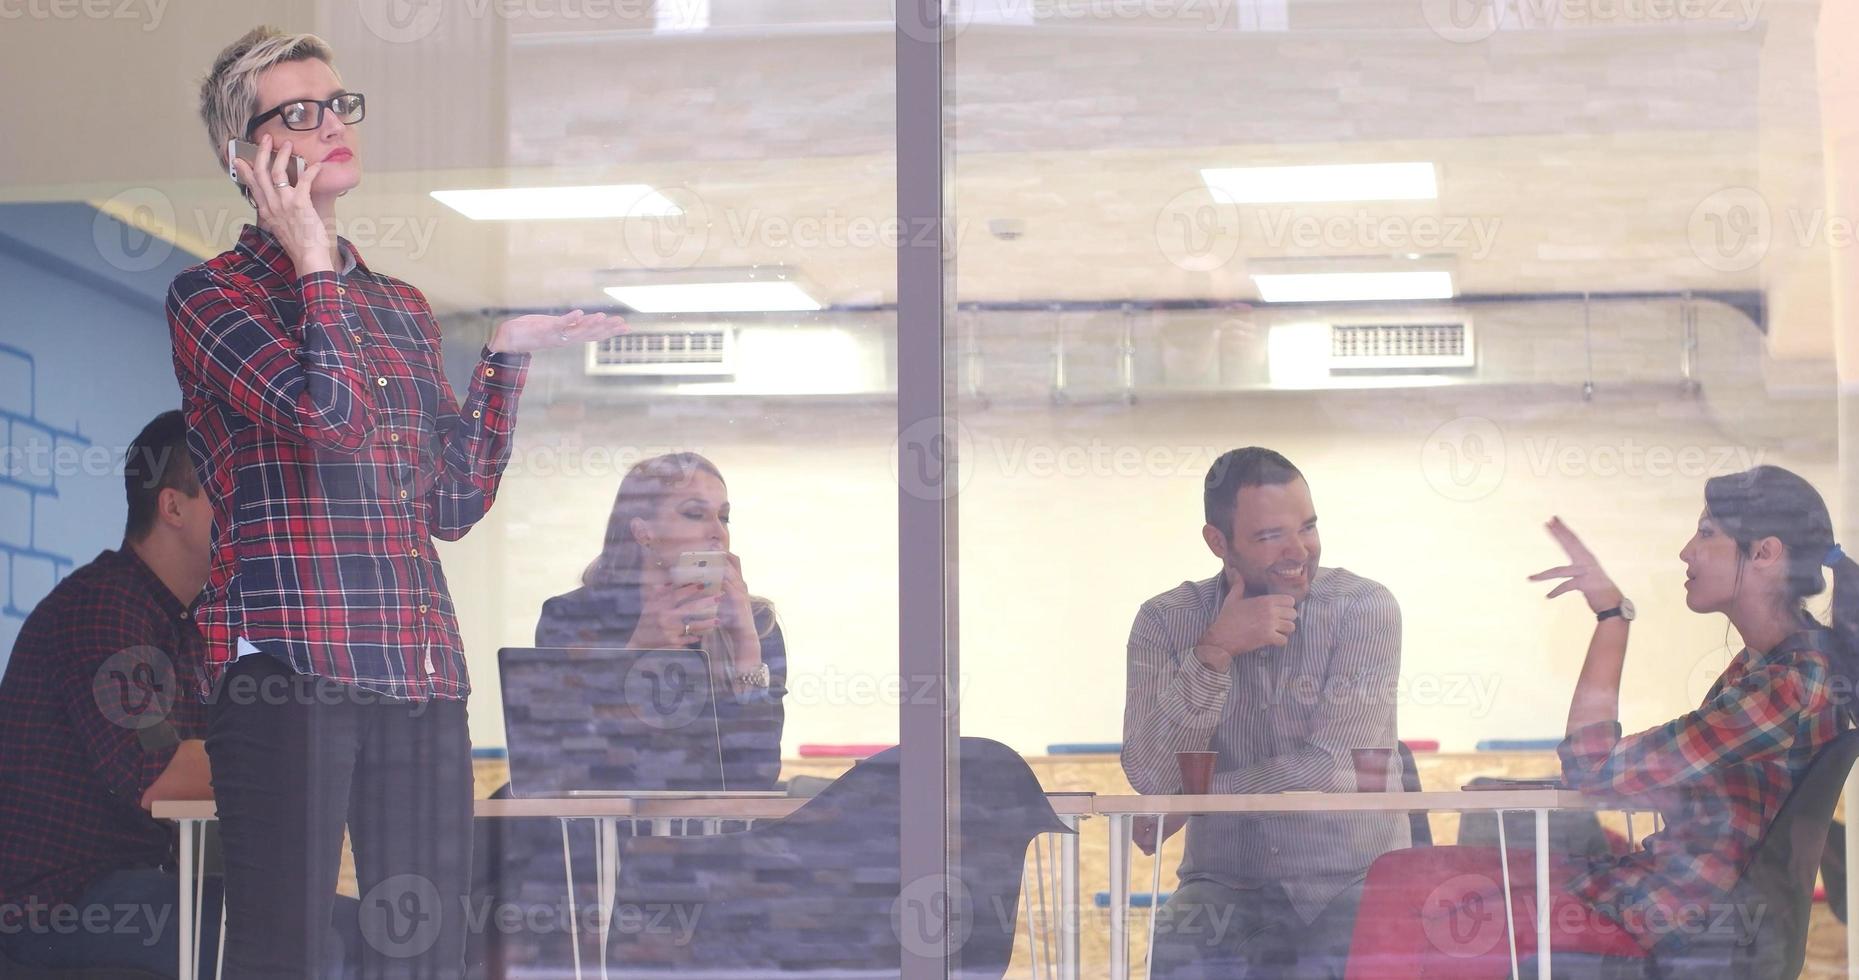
<point x="238" y="149"/>
<point x="705" y="568"/>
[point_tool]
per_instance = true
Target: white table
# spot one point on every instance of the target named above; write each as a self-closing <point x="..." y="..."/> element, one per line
<point x="606" y="815"/>
<point x="1122" y="812"/>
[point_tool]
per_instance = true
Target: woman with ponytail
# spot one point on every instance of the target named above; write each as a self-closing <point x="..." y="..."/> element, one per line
<point x="1719" y="774"/>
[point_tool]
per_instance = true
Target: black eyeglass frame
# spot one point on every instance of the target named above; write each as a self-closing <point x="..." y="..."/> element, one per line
<point x="322" y="106"/>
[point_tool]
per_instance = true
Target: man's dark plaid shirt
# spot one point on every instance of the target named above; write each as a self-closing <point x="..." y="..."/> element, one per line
<point x="100" y="665"/>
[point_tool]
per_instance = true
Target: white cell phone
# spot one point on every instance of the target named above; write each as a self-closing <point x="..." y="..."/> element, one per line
<point x="238" y="149"/>
<point x="705" y="568"/>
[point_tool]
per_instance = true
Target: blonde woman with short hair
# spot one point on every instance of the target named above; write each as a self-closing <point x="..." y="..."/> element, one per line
<point x="335" y="452"/>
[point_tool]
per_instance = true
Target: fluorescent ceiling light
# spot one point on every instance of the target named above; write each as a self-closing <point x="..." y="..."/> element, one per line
<point x="715" y="297"/>
<point x="544" y="203"/>
<point x="1335" y="287"/>
<point x="1336" y="182"/>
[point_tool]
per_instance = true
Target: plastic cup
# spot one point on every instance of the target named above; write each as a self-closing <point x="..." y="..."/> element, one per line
<point x="1371" y="769"/>
<point x="1197" y="771"/>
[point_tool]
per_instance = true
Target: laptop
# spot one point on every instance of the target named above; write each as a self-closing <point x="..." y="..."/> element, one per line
<point x="612" y="723"/>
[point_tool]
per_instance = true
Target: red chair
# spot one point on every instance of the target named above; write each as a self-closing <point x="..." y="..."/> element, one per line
<point x="849" y="751"/>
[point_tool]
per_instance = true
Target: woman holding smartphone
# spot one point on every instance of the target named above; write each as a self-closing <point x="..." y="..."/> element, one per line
<point x="638" y="595"/>
<point x="335" y="452"/>
<point x="1718" y="774"/>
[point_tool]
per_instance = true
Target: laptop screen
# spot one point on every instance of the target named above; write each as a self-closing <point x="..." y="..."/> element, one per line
<point x="609" y="720"/>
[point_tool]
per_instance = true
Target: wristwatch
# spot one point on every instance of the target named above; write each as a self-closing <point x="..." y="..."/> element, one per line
<point x="1625" y="611"/>
<point x="752" y="678"/>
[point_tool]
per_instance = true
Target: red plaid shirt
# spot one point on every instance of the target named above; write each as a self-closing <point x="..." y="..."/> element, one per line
<point x="1726" y="769"/>
<point x="99" y="665"/>
<point x="334" y="451"/>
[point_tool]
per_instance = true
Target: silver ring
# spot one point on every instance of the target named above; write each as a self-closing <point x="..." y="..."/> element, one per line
<point x="687" y="629"/>
<point x="280" y="185"/>
<point x="564" y="336"/>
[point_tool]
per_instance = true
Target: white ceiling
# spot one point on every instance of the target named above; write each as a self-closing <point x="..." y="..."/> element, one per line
<point x="1573" y="156"/>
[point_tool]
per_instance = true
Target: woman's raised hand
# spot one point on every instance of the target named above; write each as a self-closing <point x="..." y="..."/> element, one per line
<point x="1582" y="574"/>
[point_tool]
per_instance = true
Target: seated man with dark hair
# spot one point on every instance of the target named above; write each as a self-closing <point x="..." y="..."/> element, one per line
<point x="99" y="718"/>
<point x="1281" y="668"/>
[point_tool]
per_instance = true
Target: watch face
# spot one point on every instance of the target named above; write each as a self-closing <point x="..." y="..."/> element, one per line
<point x="1626" y="610"/>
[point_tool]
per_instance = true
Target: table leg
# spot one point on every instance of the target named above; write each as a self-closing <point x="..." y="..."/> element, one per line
<point x="1118" y="825"/>
<point x="219" y="959"/>
<point x="607" y="857"/>
<point x="1155" y="901"/>
<point x="200" y="893"/>
<point x="1041" y="845"/>
<point x="185" y="900"/>
<point x="1542" y="895"/>
<point x="1026" y="913"/>
<point x="574" y="918"/>
<point x="1510" y="919"/>
<point x="1070" y="914"/>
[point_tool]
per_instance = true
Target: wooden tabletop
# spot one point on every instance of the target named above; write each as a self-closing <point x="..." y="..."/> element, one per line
<point x="1066" y="804"/>
<point x="1452" y="801"/>
<point x="694" y="808"/>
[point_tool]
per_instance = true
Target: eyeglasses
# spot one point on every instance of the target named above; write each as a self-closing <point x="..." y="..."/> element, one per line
<point x="306" y="115"/>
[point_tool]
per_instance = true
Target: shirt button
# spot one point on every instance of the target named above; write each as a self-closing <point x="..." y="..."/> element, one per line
<point x="183" y="614"/>
<point x="357" y="337"/>
<point x="393" y="437"/>
<point x="403" y="495"/>
<point x="476" y="414"/>
<point x="381" y="381"/>
<point x="342" y="291"/>
<point x="422" y="607"/>
<point x="490" y="372"/>
<point x="415" y="553"/>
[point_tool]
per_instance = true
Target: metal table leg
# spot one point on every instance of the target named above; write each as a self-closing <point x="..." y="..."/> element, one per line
<point x="1118" y="825"/>
<point x="1542" y="895"/>
<point x="1510" y="919"/>
<point x="1070" y="912"/>
<point x="574" y="917"/>
<point x="188" y="967"/>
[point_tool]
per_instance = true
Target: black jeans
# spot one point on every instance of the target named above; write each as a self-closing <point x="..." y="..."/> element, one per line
<point x="295" y="758"/>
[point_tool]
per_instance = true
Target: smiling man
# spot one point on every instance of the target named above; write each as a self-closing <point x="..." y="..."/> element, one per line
<point x="1281" y="667"/>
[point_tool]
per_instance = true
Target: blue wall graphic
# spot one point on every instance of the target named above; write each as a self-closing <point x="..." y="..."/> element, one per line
<point x="29" y="473"/>
<point x="84" y="365"/>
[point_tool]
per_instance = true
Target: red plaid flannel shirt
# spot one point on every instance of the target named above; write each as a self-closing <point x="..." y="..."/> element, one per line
<point x="99" y="665"/>
<point x="1726" y="769"/>
<point x="334" y="451"/>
